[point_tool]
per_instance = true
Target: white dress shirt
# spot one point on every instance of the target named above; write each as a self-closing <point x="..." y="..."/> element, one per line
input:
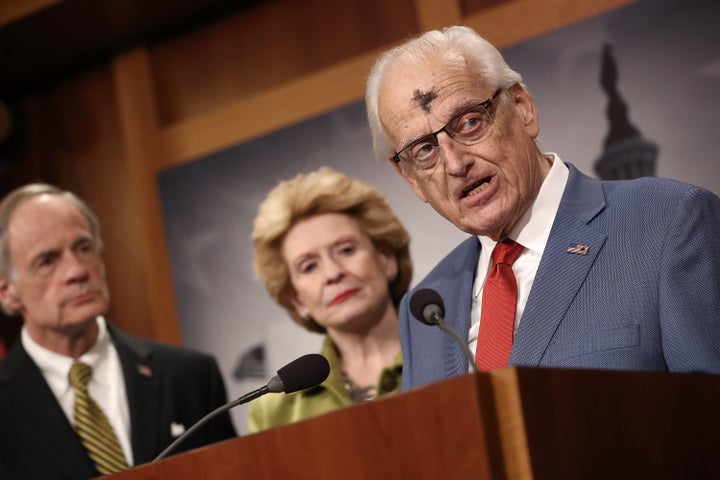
<point x="106" y="386"/>
<point x="532" y="232"/>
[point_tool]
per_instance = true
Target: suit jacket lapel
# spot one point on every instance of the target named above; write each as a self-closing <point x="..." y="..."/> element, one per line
<point x="560" y="273"/>
<point x="36" y="408"/>
<point x="143" y="382"/>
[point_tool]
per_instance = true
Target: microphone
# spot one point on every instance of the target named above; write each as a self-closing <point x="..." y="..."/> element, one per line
<point x="302" y="373"/>
<point x="427" y="306"/>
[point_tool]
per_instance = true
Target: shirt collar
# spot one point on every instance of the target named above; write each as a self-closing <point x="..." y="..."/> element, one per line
<point x="533" y="228"/>
<point x="335" y="379"/>
<point x="55" y="367"/>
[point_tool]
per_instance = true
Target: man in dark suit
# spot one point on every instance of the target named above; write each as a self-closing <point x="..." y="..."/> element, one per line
<point x="611" y="275"/>
<point x="52" y="274"/>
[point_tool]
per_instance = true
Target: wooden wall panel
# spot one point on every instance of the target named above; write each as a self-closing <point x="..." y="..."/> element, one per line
<point x="246" y="118"/>
<point x="433" y="14"/>
<point x="83" y="142"/>
<point x="143" y="151"/>
<point x="266" y="46"/>
<point x="11" y="10"/>
<point x="509" y="22"/>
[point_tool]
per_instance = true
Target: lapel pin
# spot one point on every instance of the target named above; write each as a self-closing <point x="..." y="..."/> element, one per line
<point x="578" y="249"/>
<point x="145" y="371"/>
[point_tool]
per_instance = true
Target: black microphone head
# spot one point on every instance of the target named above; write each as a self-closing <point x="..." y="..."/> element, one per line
<point x="427" y="306"/>
<point x="304" y="372"/>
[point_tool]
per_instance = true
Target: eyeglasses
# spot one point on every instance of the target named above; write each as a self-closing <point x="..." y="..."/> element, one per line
<point x="467" y="128"/>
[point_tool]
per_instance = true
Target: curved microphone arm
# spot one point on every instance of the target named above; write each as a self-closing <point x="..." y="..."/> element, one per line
<point x="427" y="306"/>
<point x="239" y="401"/>
<point x="463" y="344"/>
<point x="302" y="373"/>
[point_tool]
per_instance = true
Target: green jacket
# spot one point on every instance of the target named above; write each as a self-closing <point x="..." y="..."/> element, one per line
<point x="273" y="410"/>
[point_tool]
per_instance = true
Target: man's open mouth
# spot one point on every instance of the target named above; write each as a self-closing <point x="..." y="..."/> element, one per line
<point x="477" y="187"/>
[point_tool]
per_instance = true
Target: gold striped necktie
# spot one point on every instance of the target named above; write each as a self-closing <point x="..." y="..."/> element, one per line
<point x="93" y="427"/>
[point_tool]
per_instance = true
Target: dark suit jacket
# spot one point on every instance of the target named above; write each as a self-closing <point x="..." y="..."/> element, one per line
<point x="164" y="384"/>
<point x="646" y="296"/>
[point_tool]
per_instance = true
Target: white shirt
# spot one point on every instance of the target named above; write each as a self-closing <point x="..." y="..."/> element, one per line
<point x="532" y="232"/>
<point x="106" y="386"/>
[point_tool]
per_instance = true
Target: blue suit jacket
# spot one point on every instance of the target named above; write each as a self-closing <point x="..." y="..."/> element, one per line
<point x="164" y="384"/>
<point x="646" y="296"/>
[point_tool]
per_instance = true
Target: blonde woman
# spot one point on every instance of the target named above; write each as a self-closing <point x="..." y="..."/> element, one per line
<point x="330" y="250"/>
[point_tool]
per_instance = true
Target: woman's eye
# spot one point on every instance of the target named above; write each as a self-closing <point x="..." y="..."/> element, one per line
<point x="307" y="267"/>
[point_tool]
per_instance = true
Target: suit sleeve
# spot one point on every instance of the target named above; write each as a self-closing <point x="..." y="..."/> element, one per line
<point x="689" y="285"/>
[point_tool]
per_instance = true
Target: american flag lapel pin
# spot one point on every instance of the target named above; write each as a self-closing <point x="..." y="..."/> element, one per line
<point x="578" y="249"/>
<point x="144" y="370"/>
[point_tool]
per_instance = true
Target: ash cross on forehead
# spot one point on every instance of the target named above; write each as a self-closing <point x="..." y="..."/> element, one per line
<point x="424" y="99"/>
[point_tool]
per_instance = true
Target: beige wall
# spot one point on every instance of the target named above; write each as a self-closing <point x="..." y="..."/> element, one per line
<point x="105" y="133"/>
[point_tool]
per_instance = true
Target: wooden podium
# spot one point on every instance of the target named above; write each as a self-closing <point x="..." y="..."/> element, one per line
<point x="514" y="423"/>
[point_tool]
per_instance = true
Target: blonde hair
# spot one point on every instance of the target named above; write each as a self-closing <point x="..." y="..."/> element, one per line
<point x="324" y="191"/>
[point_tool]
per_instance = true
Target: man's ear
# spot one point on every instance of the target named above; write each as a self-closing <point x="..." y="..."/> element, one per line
<point x="9" y="295"/>
<point x="526" y="107"/>
<point x="410" y="179"/>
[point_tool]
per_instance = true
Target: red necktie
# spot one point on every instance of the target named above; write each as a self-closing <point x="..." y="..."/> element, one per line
<point x="499" y="303"/>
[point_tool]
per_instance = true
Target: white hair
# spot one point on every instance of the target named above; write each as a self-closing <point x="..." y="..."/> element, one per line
<point x="457" y="43"/>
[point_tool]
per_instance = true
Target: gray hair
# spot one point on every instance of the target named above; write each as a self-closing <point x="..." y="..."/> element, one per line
<point x="18" y="196"/>
<point x="450" y="43"/>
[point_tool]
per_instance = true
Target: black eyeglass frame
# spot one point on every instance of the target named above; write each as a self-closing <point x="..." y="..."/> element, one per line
<point x="432" y="137"/>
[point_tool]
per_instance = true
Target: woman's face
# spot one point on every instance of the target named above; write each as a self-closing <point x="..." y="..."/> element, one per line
<point x="340" y="278"/>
